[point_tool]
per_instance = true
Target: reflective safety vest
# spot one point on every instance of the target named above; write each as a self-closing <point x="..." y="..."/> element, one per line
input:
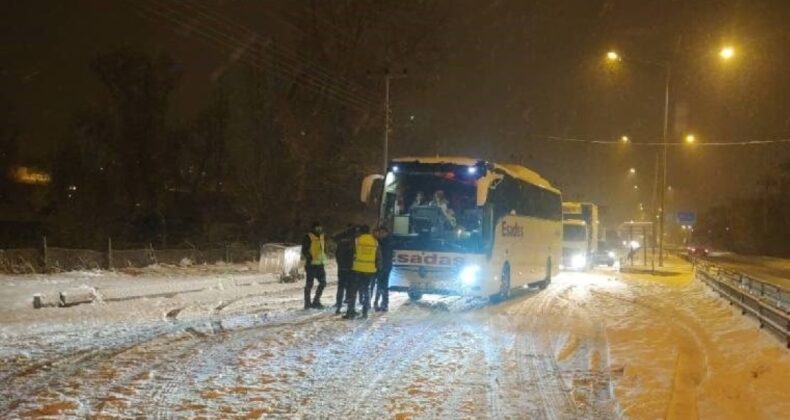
<point x="317" y="255"/>
<point x="365" y="250"/>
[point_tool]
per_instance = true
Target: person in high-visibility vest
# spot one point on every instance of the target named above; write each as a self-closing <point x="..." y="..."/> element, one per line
<point x="367" y="261"/>
<point x="314" y="255"/>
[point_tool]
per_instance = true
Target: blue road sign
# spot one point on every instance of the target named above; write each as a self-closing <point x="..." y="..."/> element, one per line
<point x="687" y="217"/>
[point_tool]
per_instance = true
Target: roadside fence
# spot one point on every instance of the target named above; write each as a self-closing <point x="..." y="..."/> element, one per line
<point x="767" y="302"/>
<point x="53" y="259"/>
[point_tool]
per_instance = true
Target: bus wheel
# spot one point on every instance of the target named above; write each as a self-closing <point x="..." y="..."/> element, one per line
<point x="415" y="296"/>
<point x="545" y="283"/>
<point x="504" y="285"/>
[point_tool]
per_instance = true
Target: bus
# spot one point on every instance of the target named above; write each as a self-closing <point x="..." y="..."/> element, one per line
<point x="467" y="227"/>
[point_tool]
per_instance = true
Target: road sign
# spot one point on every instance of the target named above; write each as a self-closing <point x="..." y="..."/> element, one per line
<point x="686" y="218"/>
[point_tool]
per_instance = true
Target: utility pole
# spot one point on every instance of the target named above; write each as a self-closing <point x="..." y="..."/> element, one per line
<point x="387" y="113"/>
<point x="661" y="208"/>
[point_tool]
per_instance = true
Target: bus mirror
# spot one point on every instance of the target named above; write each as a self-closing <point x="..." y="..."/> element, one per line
<point x="367" y="187"/>
<point x="484" y="184"/>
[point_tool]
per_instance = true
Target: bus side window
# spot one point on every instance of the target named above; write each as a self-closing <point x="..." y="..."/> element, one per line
<point x="488" y="227"/>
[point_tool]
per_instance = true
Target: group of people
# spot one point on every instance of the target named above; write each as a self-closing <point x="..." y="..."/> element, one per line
<point x="364" y="263"/>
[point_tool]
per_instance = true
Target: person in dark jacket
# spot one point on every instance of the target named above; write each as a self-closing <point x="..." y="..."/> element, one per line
<point x="382" y="300"/>
<point x="314" y="255"/>
<point x="345" y="259"/>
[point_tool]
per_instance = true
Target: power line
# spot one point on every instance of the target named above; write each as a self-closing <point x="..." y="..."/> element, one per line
<point x="284" y="70"/>
<point x="325" y="86"/>
<point x="659" y="143"/>
<point x="242" y="30"/>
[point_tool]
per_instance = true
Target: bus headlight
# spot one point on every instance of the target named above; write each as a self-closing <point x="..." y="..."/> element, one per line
<point x="578" y="261"/>
<point x="469" y="274"/>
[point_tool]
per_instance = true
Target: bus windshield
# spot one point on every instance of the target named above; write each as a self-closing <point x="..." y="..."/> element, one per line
<point x="574" y="232"/>
<point x="433" y="211"/>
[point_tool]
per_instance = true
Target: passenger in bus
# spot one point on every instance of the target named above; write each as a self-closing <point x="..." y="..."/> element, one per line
<point x="419" y="200"/>
<point x="400" y="204"/>
<point x="440" y="200"/>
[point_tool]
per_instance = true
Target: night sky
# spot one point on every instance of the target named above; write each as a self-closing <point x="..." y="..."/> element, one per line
<point x="498" y="77"/>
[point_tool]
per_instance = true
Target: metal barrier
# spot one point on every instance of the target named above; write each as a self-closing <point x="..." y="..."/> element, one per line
<point x="767" y="302"/>
<point x="282" y="260"/>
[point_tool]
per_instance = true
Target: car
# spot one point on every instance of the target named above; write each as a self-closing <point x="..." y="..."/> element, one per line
<point x="604" y="256"/>
<point x="697" y="251"/>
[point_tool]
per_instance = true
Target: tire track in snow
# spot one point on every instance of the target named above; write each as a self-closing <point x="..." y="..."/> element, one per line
<point x="691" y="364"/>
<point x="215" y="348"/>
<point x="554" y="391"/>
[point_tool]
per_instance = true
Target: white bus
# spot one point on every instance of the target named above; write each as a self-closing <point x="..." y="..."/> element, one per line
<point x="468" y="227"/>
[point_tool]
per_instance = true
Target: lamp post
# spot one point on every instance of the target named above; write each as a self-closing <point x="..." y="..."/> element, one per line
<point x="726" y="53"/>
<point x="614" y="56"/>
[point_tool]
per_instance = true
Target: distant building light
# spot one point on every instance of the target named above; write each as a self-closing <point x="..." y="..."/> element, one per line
<point x="72" y="188"/>
<point x="29" y="176"/>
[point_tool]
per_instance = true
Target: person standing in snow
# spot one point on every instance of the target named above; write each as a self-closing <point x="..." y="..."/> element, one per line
<point x="383" y="275"/>
<point x="314" y="255"/>
<point x="367" y="260"/>
<point x="345" y="259"/>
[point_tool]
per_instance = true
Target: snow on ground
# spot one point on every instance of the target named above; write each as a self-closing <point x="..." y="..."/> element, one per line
<point x="226" y="341"/>
<point x="768" y="269"/>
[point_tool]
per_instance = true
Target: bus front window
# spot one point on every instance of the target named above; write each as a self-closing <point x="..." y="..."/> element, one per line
<point x="432" y="210"/>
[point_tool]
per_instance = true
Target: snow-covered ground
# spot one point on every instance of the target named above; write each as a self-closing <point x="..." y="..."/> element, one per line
<point x="767" y="269"/>
<point x="223" y="341"/>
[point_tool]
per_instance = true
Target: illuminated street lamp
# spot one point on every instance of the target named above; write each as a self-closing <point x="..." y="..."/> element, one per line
<point x="632" y="171"/>
<point x="690" y="138"/>
<point x="612" y="56"/>
<point x="624" y="139"/>
<point x="727" y="53"/>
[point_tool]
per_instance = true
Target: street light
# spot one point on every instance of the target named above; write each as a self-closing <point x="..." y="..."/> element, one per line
<point x="727" y="53"/>
<point x="690" y="138"/>
<point x="612" y="56"/>
<point x="624" y="139"/>
<point x="632" y="171"/>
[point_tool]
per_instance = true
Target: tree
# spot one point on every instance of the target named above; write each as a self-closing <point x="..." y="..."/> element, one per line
<point x="113" y="170"/>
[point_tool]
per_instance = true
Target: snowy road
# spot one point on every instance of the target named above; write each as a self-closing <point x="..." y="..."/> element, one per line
<point x="592" y="345"/>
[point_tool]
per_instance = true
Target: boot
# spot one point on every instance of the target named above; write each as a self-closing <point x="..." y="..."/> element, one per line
<point x="317" y="298"/>
<point x="337" y="311"/>
<point x="317" y="305"/>
<point x="350" y="315"/>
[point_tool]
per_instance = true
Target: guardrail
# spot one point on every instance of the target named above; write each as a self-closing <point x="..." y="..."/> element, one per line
<point x="767" y="302"/>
